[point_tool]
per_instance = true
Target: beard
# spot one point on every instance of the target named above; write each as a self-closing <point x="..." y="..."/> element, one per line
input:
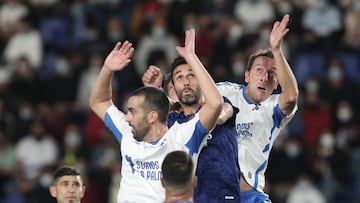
<point x="189" y="100"/>
<point x="140" y="132"/>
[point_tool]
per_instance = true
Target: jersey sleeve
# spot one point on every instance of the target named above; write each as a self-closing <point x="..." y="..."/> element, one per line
<point x="229" y="89"/>
<point x="191" y="133"/>
<point x="115" y="122"/>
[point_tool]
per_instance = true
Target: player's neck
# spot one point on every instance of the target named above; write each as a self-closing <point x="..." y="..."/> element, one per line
<point x="155" y="133"/>
<point x="173" y="197"/>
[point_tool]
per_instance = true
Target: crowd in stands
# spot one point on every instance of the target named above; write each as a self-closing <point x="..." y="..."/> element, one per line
<point x="52" y="50"/>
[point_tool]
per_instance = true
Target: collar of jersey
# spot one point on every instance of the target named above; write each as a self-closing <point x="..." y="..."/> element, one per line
<point x="245" y="97"/>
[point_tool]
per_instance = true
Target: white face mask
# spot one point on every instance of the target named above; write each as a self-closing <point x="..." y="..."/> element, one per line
<point x="312" y="86"/>
<point x="335" y="74"/>
<point x="292" y="150"/>
<point x="327" y="140"/>
<point x="238" y="68"/>
<point x="158" y="32"/>
<point x="62" y="67"/>
<point x="46" y="180"/>
<point x="235" y="32"/>
<point x="72" y="139"/>
<point x="344" y="114"/>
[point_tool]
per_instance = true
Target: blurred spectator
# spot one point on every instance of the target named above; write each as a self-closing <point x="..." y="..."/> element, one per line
<point x="333" y="169"/>
<point x="105" y="160"/>
<point x="55" y="116"/>
<point x="27" y="43"/>
<point x="159" y="40"/>
<point x="55" y="28"/>
<point x="73" y="152"/>
<point x="65" y="79"/>
<point x="323" y="21"/>
<point x="25" y="83"/>
<point x="295" y="157"/>
<point x="305" y="191"/>
<point x="347" y="125"/>
<point x="11" y="11"/>
<point x="32" y="164"/>
<point x="87" y="80"/>
<point x="351" y="40"/>
<point x="254" y="14"/>
<point x="316" y="113"/>
<point x="337" y="85"/>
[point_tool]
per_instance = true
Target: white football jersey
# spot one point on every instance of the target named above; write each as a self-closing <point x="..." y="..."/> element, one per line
<point x="141" y="161"/>
<point x="257" y="127"/>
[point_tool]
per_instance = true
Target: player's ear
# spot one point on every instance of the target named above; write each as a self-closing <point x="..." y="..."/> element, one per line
<point x="247" y="76"/>
<point x="152" y="116"/>
<point x="162" y="181"/>
<point x="52" y="190"/>
<point x="83" y="189"/>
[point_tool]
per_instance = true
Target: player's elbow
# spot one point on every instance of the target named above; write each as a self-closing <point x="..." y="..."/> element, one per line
<point x="92" y="102"/>
<point x="217" y="105"/>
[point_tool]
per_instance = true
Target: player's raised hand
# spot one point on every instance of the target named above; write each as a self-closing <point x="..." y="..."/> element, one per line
<point x="189" y="47"/>
<point x="120" y="56"/>
<point x="152" y="77"/>
<point x="278" y="32"/>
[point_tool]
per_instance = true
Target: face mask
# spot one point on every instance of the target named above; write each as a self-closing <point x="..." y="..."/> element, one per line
<point x="327" y="140"/>
<point x="72" y="139"/>
<point x="311" y="86"/>
<point x="238" y="68"/>
<point x="189" y="26"/>
<point x="344" y="114"/>
<point x="158" y="32"/>
<point x="25" y="114"/>
<point x="46" y="180"/>
<point x="115" y="36"/>
<point x="62" y="67"/>
<point x="235" y="32"/>
<point x="292" y="150"/>
<point x="335" y="74"/>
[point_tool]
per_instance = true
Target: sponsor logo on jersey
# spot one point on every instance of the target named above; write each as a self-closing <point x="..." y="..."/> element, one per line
<point x="242" y="129"/>
<point x="150" y="170"/>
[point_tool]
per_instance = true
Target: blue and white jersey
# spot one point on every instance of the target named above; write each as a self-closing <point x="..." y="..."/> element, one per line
<point x="141" y="161"/>
<point x="257" y="126"/>
<point x="217" y="170"/>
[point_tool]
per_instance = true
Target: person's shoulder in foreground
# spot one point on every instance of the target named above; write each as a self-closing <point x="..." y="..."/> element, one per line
<point x="178" y="177"/>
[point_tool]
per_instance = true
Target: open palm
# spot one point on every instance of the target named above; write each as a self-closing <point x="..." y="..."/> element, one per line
<point x="120" y="56"/>
<point x="278" y="32"/>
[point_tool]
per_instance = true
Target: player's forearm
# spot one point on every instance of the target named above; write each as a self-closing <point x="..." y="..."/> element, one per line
<point x="102" y="91"/>
<point x="286" y="78"/>
<point x="207" y="85"/>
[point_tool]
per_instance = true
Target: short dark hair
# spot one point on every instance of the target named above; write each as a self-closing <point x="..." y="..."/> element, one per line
<point x="65" y="171"/>
<point x="261" y="52"/>
<point x="177" y="169"/>
<point x="154" y="100"/>
<point x="177" y="62"/>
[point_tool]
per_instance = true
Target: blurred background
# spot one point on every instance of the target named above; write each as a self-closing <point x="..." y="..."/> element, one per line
<point x="52" y="50"/>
